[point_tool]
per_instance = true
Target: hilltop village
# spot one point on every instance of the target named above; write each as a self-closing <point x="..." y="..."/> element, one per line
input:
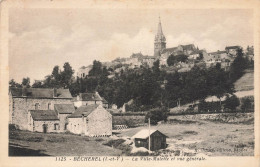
<point x="187" y="56"/>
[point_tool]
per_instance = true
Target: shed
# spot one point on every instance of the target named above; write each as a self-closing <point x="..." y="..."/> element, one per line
<point x="158" y="139"/>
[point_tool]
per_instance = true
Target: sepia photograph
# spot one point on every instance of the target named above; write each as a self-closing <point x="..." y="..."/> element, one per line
<point x="131" y="82"/>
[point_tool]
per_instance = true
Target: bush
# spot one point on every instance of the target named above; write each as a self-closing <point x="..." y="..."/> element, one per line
<point x="232" y="102"/>
<point x="247" y="104"/>
<point x="114" y="143"/>
<point x="157" y="115"/>
<point x="54" y="139"/>
<point x="13" y="127"/>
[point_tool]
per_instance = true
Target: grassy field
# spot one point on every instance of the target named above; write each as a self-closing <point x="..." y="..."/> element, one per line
<point x="185" y="137"/>
<point x="206" y="137"/>
<point x="39" y="144"/>
<point x="246" y="82"/>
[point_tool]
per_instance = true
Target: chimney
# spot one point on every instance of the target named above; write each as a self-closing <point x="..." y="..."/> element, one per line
<point x="24" y="91"/>
<point x="54" y="92"/>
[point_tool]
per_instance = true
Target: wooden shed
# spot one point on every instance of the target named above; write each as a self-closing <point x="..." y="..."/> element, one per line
<point x="158" y="139"/>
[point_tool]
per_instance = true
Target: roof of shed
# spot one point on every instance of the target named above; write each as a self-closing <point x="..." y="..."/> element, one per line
<point x="64" y="108"/>
<point x="144" y="133"/>
<point x="43" y="115"/>
<point x="40" y="93"/>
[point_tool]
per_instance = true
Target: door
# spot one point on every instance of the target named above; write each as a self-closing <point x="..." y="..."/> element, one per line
<point x="45" y="128"/>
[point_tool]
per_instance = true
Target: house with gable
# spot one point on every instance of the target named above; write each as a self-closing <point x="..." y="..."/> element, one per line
<point x="84" y="99"/>
<point x="91" y="120"/>
<point x="26" y="104"/>
<point x="232" y="50"/>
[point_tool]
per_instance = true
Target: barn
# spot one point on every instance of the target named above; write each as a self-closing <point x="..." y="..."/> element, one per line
<point x="90" y="120"/>
<point x="158" y="139"/>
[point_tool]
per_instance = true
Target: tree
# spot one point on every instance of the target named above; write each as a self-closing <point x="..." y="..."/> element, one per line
<point x="26" y="82"/>
<point x="66" y="75"/>
<point x="171" y="60"/>
<point x="238" y="66"/>
<point x="246" y="104"/>
<point x="232" y="102"/>
<point x="157" y="115"/>
<point x="96" y="69"/>
<point x="181" y="58"/>
<point x="14" y="84"/>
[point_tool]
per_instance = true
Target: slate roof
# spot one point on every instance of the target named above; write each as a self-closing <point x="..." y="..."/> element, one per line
<point x="89" y="97"/>
<point x="104" y="101"/>
<point x="40" y="93"/>
<point x="64" y="108"/>
<point x="171" y="50"/>
<point x="232" y="47"/>
<point x="188" y="47"/>
<point x="43" y="115"/>
<point x="83" y="110"/>
<point x="144" y="133"/>
<point x="218" y="52"/>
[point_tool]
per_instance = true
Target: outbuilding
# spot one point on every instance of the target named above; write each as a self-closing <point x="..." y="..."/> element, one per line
<point x="43" y="121"/>
<point x="91" y="120"/>
<point x="157" y="139"/>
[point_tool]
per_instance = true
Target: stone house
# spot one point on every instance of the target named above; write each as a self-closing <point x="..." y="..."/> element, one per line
<point x="232" y="50"/>
<point x="23" y="100"/>
<point x="84" y="71"/>
<point x="84" y="99"/>
<point x="157" y="139"/>
<point x="43" y="121"/>
<point x="149" y="60"/>
<point x="91" y="120"/>
<point x="63" y="111"/>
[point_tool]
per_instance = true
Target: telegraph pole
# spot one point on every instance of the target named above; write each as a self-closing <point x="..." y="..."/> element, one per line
<point x="149" y="143"/>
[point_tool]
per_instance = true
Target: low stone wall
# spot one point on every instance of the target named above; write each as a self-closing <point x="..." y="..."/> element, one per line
<point x="129" y="120"/>
<point x="221" y="117"/>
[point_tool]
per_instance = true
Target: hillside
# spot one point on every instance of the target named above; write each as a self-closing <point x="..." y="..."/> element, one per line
<point x="246" y="82"/>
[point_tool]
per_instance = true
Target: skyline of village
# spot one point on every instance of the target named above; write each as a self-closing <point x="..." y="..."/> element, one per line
<point x="135" y="39"/>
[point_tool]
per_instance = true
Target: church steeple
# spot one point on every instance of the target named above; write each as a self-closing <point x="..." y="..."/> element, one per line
<point x="159" y="40"/>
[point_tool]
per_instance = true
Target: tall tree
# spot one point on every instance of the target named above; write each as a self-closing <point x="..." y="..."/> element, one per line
<point x="67" y="75"/>
<point x="26" y="82"/>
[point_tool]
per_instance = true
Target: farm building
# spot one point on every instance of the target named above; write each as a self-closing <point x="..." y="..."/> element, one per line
<point x="43" y="121"/>
<point x="158" y="139"/>
<point x="23" y="100"/>
<point x="91" y="120"/>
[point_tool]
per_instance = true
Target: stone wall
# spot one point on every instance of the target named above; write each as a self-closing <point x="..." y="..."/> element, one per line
<point x="75" y="125"/>
<point x="63" y="120"/>
<point x="220" y="117"/>
<point x="99" y="122"/>
<point x="129" y="120"/>
<point x="38" y="126"/>
<point x="21" y="107"/>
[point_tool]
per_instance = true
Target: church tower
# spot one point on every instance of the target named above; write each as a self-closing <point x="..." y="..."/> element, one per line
<point x="159" y="40"/>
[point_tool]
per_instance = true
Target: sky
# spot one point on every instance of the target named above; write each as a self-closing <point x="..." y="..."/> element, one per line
<point x="39" y="39"/>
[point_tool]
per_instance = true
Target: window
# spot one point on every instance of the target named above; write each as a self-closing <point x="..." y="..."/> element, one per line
<point x="37" y="106"/>
<point x="49" y="106"/>
<point x="56" y="126"/>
